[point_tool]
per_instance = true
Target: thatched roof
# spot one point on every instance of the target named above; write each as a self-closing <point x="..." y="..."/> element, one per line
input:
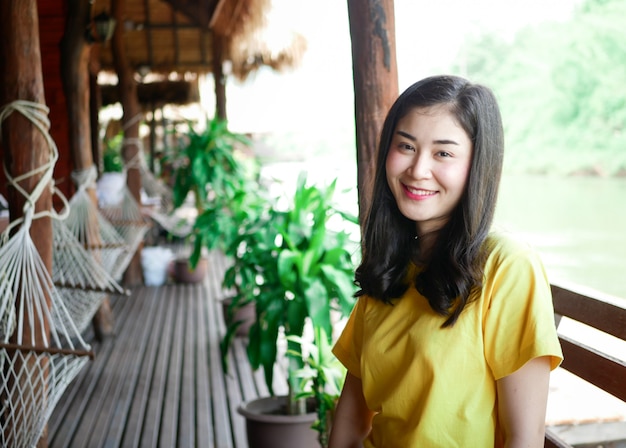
<point x="166" y="36"/>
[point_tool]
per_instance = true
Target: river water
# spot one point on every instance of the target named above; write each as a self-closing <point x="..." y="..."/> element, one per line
<point x="578" y="225"/>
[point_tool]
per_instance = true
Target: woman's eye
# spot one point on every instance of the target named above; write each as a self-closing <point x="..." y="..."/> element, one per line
<point x="443" y="154"/>
<point x="406" y="147"/>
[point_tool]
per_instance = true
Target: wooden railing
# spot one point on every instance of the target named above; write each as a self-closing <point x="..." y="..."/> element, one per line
<point x="589" y="363"/>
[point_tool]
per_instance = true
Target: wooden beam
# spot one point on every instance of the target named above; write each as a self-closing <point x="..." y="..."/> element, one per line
<point x="218" y="76"/>
<point x="175" y="39"/>
<point x="196" y="10"/>
<point x="372" y="29"/>
<point x="146" y="5"/>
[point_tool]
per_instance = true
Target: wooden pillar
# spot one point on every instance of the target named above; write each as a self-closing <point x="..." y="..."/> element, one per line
<point x="95" y="104"/>
<point x="75" y="58"/>
<point x="372" y="29"/>
<point x="127" y="90"/>
<point x="218" y="76"/>
<point x="24" y="147"/>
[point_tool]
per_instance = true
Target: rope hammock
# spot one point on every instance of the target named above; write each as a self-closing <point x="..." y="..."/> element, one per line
<point x="41" y="350"/>
<point x="127" y="218"/>
<point x="81" y="280"/>
<point x="97" y="235"/>
<point x="171" y="220"/>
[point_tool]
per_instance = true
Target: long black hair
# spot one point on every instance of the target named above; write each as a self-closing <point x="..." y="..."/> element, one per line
<point x="456" y="265"/>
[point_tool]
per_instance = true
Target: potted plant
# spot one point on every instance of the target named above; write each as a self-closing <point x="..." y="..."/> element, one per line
<point x="297" y="269"/>
<point x="209" y="169"/>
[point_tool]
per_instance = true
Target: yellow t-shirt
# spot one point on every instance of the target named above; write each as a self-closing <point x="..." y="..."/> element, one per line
<point x="436" y="387"/>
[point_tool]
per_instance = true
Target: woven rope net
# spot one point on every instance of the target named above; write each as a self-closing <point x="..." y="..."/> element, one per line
<point x="81" y="280"/>
<point x="41" y="350"/>
<point x="94" y="231"/>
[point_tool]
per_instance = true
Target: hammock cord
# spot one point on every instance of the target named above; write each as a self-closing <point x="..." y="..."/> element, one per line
<point x="41" y="350"/>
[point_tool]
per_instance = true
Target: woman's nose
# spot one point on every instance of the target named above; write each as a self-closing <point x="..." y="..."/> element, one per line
<point x="421" y="166"/>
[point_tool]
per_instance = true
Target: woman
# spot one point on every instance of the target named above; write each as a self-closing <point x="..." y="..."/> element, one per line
<point x="452" y="339"/>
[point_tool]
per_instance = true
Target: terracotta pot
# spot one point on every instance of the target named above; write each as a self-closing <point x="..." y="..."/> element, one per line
<point x="268" y="426"/>
<point x="246" y="314"/>
<point x="184" y="274"/>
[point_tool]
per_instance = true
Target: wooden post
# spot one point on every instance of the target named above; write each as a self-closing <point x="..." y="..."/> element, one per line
<point x="372" y="28"/>
<point x="95" y="104"/>
<point x="127" y="89"/>
<point x="218" y="76"/>
<point x="23" y="146"/>
<point x="75" y="58"/>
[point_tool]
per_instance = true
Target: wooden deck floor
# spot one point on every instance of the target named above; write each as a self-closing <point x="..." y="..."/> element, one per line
<point x="158" y="381"/>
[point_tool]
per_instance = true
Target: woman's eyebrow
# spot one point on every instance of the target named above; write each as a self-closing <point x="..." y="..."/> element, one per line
<point x="445" y="142"/>
<point x="406" y="135"/>
<point x="436" y="142"/>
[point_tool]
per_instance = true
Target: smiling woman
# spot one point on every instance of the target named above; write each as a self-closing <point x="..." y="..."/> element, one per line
<point x="427" y="166"/>
<point x="446" y="293"/>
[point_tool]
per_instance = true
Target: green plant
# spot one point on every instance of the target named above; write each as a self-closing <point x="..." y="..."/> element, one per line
<point x="210" y="170"/>
<point x="297" y="269"/>
<point x="111" y="156"/>
<point x="321" y="378"/>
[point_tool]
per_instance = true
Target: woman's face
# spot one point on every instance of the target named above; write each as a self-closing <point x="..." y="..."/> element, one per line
<point x="427" y="166"/>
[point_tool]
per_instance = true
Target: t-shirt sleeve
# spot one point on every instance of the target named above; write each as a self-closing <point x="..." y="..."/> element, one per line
<point x="519" y="320"/>
<point x="348" y="347"/>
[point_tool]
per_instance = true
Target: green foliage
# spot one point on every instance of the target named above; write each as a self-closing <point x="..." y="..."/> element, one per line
<point x="218" y="181"/>
<point x="321" y="378"/>
<point x="111" y="156"/>
<point x="560" y="86"/>
<point x="295" y="268"/>
<point x="209" y="168"/>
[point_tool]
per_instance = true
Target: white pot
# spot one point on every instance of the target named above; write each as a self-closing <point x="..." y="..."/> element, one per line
<point x="155" y="261"/>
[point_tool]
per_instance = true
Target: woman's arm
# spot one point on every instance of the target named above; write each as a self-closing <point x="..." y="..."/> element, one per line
<point x="522" y="401"/>
<point x="353" y="419"/>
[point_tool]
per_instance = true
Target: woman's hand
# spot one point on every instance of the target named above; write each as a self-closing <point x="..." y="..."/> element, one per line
<point x="522" y="401"/>
<point x="353" y="419"/>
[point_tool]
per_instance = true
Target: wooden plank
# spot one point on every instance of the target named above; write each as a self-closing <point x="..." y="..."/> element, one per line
<point x="152" y="422"/>
<point x="553" y="441"/>
<point x="204" y="412"/>
<point x="104" y="403"/>
<point x="133" y="359"/>
<point x="223" y="435"/>
<point x="233" y="380"/>
<point x="594" y="312"/>
<point x="187" y="424"/>
<point x="66" y="421"/>
<point x="135" y="419"/>
<point x="168" y="432"/>
<point x="605" y="372"/>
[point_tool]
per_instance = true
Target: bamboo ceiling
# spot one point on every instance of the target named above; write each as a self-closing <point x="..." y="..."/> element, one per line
<point x="163" y="36"/>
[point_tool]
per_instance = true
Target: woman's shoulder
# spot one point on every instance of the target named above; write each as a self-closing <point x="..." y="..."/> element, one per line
<point x="502" y="245"/>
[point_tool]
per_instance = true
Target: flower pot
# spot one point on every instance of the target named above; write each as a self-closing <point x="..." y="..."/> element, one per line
<point x="184" y="274"/>
<point x="267" y="425"/>
<point x="245" y="313"/>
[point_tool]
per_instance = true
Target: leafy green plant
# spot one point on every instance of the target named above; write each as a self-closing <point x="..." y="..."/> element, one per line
<point x="297" y="269"/>
<point x="211" y="171"/>
<point x="112" y="156"/>
<point x="321" y="378"/>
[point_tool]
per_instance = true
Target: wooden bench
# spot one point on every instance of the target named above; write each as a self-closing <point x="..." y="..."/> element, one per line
<point x="589" y="363"/>
<point x="159" y="380"/>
